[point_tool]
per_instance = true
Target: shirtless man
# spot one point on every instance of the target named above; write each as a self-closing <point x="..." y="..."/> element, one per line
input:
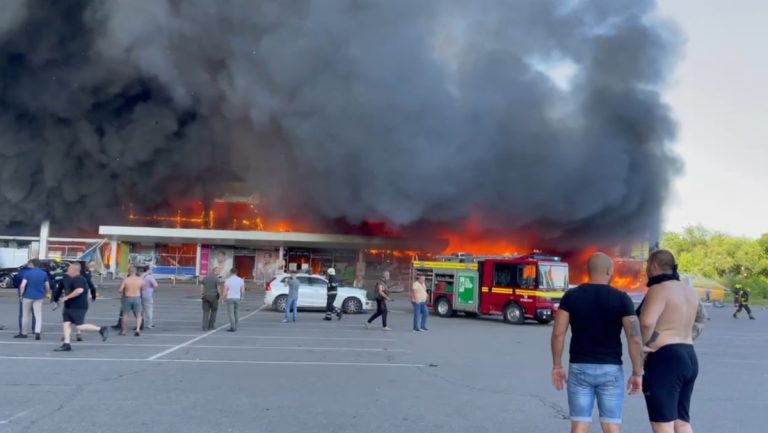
<point x="130" y="291"/>
<point x="667" y="319"/>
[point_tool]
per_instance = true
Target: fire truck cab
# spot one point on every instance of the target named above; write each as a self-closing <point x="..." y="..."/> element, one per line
<point x="516" y="287"/>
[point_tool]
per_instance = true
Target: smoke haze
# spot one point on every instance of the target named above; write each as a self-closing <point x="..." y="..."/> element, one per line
<point x="528" y="115"/>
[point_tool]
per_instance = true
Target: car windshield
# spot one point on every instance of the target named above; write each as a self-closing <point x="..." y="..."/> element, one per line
<point x="553" y="276"/>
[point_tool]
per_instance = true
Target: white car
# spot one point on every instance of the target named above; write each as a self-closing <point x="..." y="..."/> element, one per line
<point x="312" y="294"/>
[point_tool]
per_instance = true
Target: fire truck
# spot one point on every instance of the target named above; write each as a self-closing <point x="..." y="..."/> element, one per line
<point x="519" y="288"/>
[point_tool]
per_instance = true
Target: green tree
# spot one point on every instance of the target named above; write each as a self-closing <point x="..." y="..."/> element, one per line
<point x="722" y="257"/>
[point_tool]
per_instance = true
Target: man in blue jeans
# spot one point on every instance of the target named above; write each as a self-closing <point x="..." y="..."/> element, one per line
<point x="292" y="303"/>
<point x="596" y="314"/>
<point x="419" y="301"/>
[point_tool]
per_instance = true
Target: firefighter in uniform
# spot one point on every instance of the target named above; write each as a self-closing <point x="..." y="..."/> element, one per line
<point x="333" y="287"/>
<point x="743" y="302"/>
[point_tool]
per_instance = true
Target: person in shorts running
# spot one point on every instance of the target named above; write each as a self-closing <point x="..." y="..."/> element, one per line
<point x="130" y="291"/>
<point x="76" y="306"/>
<point x="668" y="316"/>
<point x="596" y="313"/>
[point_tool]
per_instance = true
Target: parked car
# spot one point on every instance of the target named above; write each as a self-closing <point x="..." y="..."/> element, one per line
<point x="10" y="278"/>
<point x="312" y="294"/>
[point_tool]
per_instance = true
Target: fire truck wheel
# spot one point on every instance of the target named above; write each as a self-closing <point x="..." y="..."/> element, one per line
<point x="279" y="303"/>
<point x="443" y="307"/>
<point x="514" y="314"/>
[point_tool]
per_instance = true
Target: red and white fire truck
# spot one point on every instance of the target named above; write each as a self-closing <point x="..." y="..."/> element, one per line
<point x="515" y="287"/>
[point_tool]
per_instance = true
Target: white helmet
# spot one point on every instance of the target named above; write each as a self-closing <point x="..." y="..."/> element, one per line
<point x="331" y="271"/>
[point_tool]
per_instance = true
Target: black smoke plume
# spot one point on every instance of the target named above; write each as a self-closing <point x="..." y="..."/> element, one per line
<point x="540" y="116"/>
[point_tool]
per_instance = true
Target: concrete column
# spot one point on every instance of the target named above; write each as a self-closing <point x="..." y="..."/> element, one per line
<point x="359" y="270"/>
<point x="197" y="261"/>
<point x="113" y="258"/>
<point x="45" y="232"/>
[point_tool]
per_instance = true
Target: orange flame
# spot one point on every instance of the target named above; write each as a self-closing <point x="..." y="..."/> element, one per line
<point x="628" y="274"/>
<point x="223" y="215"/>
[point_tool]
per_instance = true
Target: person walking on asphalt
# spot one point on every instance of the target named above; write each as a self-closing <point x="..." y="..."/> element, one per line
<point x="596" y="314"/>
<point x="75" y="306"/>
<point x="90" y="287"/>
<point x="86" y="273"/>
<point x="17" y="283"/>
<point x="419" y="302"/>
<point x="147" y="298"/>
<point x="332" y="291"/>
<point x="130" y="299"/>
<point x="743" y="302"/>
<point x="381" y="306"/>
<point x="32" y="291"/>
<point x="234" y="286"/>
<point x="210" y="293"/>
<point x="292" y="303"/>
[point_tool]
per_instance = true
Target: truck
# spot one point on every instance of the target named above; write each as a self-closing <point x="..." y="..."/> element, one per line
<point x="518" y="288"/>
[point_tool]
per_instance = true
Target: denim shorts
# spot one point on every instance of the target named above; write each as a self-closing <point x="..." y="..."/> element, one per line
<point x="604" y="382"/>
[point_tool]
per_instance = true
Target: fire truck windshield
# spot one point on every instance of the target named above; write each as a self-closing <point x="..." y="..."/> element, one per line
<point x="553" y="276"/>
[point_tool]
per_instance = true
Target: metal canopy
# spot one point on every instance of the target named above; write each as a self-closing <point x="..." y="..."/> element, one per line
<point x="265" y="239"/>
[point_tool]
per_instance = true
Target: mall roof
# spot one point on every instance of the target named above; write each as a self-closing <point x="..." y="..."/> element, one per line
<point x="252" y="239"/>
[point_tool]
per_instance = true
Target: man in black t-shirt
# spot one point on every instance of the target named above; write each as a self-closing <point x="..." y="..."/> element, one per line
<point x="74" y="287"/>
<point x="596" y="313"/>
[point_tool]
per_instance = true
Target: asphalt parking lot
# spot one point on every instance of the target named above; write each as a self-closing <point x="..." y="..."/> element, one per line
<point x="475" y="375"/>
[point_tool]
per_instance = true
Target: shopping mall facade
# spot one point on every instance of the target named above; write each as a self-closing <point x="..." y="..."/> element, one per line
<point x="191" y="253"/>
<point x="257" y="255"/>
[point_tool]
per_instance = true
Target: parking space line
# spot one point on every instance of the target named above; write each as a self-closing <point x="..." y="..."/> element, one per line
<point x="153" y="334"/>
<point x="344" y="364"/>
<point x="37" y="343"/>
<point x="258" y="327"/>
<point x="18" y="415"/>
<point x="270" y="324"/>
<point x="156" y="320"/>
<point x="200" y="337"/>
<point x="340" y="349"/>
<point x="285" y="337"/>
<point x="271" y="337"/>
<point x="209" y="346"/>
<point x="216" y="361"/>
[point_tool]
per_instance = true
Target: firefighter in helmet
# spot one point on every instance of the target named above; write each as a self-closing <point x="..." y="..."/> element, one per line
<point x="743" y="302"/>
<point x="333" y="287"/>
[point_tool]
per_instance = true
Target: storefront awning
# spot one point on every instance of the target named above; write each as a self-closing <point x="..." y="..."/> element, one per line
<point x="253" y="239"/>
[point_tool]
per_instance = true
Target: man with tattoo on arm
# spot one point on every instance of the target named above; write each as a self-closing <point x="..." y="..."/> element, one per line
<point x="596" y="313"/>
<point x="670" y="317"/>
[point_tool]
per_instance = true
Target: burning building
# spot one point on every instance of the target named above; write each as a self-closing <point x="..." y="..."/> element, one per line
<point x="235" y="232"/>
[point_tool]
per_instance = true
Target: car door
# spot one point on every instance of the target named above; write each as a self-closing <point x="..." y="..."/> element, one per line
<point x="319" y="289"/>
<point x="306" y="295"/>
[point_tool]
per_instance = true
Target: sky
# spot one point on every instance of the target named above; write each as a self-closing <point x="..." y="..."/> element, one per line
<point x="719" y="94"/>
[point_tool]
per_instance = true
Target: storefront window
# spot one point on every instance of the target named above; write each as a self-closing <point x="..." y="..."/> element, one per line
<point x="183" y="255"/>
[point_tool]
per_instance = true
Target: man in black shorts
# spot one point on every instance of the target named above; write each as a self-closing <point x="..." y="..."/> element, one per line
<point x="668" y="315"/>
<point x="75" y="306"/>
